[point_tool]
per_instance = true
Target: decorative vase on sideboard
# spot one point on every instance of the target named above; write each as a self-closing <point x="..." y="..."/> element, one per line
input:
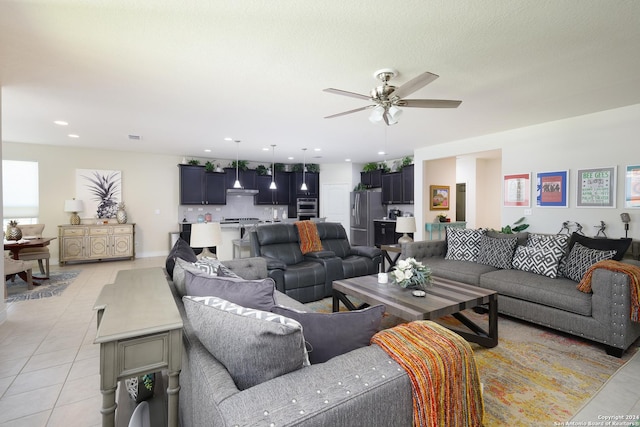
<point x="121" y="214"/>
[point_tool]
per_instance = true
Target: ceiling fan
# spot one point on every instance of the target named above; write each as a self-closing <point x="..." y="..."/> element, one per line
<point x="387" y="98"/>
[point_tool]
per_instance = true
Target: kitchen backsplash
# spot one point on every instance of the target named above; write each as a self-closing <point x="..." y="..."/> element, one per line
<point x="236" y="207"/>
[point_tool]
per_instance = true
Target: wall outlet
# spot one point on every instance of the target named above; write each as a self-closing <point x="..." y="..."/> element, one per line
<point x="528" y="212"/>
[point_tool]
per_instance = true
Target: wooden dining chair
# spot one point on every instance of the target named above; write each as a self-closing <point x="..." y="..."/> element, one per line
<point x="35" y="254"/>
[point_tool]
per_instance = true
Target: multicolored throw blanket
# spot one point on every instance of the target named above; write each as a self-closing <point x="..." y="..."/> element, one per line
<point x="309" y="237"/>
<point x="443" y="373"/>
<point x="634" y="281"/>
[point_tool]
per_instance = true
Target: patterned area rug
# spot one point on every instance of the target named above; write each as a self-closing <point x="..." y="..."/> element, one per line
<point x="55" y="285"/>
<point x="535" y="376"/>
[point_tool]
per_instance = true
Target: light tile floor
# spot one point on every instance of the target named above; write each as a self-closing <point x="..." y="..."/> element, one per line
<point x="49" y="373"/>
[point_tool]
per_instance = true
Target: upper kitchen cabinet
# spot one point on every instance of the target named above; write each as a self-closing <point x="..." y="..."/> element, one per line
<point x="371" y="179"/>
<point x="392" y="188"/>
<point x="247" y="178"/>
<point x="199" y="187"/>
<point x="313" y="185"/>
<point x="407" y="184"/>
<point x="279" y="196"/>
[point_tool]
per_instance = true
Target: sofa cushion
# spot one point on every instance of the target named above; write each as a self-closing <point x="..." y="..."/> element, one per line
<point x="497" y="252"/>
<point x="542" y="254"/>
<point x="619" y="245"/>
<point x="581" y="258"/>
<point x="558" y="293"/>
<point x="253" y="345"/>
<point x="180" y="249"/>
<point x="334" y="238"/>
<point x="333" y="334"/>
<point x="463" y="244"/>
<point x="256" y="294"/>
<point x="462" y="271"/>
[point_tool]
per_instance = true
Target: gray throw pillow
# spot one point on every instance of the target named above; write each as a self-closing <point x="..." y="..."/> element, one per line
<point x="581" y="258"/>
<point x="256" y="294"/>
<point x="329" y="335"/>
<point x="253" y="345"/>
<point x="497" y="252"/>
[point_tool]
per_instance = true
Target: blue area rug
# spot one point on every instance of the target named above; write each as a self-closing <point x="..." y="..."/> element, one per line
<point x="53" y="286"/>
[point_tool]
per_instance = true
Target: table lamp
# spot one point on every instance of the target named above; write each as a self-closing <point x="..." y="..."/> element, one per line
<point x="74" y="206"/>
<point x="206" y="235"/>
<point x="405" y="224"/>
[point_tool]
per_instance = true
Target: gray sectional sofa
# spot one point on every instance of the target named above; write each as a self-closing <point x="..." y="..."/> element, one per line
<point x="602" y="316"/>
<point x="361" y="387"/>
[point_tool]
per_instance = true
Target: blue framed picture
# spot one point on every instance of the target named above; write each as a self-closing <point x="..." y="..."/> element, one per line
<point x="552" y="189"/>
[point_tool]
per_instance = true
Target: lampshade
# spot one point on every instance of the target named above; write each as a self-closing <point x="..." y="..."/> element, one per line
<point x="394" y="113"/>
<point x="205" y="235"/>
<point x="74" y="206"/>
<point x="405" y="224"/>
<point x="376" y="114"/>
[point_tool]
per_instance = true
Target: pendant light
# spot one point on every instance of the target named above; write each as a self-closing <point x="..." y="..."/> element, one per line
<point x="273" y="167"/>
<point x="303" y="187"/>
<point x="237" y="183"/>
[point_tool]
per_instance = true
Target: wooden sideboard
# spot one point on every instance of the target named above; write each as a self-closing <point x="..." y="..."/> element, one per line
<point x="96" y="242"/>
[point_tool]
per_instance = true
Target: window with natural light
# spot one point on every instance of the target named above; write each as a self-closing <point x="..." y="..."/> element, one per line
<point x="20" y="192"/>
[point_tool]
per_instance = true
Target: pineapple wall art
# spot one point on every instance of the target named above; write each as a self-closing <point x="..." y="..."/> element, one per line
<point x="100" y="190"/>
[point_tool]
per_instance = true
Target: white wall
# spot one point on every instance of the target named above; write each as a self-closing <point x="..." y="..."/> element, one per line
<point x="604" y="139"/>
<point x="3" y="305"/>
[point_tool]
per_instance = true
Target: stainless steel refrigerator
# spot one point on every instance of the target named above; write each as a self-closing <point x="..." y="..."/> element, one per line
<point x="365" y="207"/>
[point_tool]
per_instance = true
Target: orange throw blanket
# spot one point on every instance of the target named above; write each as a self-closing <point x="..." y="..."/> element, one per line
<point x="441" y="366"/>
<point x="634" y="281"/>
<point x="309" y="237"/>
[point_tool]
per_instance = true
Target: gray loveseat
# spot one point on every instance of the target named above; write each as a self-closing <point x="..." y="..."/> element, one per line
<point x="362" y="387"/>
<point x="309" y="277"/>
<point x="602" y="316"/>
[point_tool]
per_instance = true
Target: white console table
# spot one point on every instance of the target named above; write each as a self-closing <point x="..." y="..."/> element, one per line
<point x="139" y="332"/>
<point x="440" y="226"/>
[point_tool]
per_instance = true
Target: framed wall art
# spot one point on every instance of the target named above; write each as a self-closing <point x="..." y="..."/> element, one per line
<point x="596" y="188"/>
<point x="439" y="197"/>
<point x="517" y="190"/>
<point x="100" y="190"/>
<point x="632" y="187"/>
<point x="552" y="189"/>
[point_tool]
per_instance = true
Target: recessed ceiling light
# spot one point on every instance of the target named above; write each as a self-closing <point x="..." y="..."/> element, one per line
<point x="317" y="149"/>
<point x="266" y="149"/>
<point x="73" y="135"/>
<point x="61" y="123"/>
<point x="347" y="160"/>
<point x="207" y="150"/>
<point x="290" y="158"/>
<point x="228" y="139"/>
<point x="382" y="153"/>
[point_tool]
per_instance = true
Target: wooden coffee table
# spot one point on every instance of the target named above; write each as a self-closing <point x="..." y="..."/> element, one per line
<point x="443" y="298"/>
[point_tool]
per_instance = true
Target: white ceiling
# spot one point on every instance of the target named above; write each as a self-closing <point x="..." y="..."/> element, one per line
<point x="186" y="74"/>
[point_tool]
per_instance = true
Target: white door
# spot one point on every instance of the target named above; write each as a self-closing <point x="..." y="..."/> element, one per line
<point x="334" y="203"/>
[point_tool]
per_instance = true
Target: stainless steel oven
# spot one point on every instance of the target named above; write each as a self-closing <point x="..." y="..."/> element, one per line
<point x="306" y="208"/>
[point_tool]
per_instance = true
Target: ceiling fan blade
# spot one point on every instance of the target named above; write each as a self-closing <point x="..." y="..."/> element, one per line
<point x="344" y="113"/>
<point x="414" y="84"/>
<point x="346" y="93"/>
<point x="428" y="103"/>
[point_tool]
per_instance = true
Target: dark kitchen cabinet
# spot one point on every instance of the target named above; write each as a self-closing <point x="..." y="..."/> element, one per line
<point x="313" y="185"/>
<point x="371" y="179"/>
<point x="392" y="188"/>
<point x="407" y="184"/>
<point x="279" y="196"/>
<point x="199" y="187"/>
<point x="384" y="233"/>
<point x="247" y="178"/>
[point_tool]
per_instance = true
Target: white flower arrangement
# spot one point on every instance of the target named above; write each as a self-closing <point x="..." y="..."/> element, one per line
<point x="409" y="273"/>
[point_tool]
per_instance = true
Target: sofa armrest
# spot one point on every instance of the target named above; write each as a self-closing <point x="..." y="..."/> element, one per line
<point x="274" y="263"/>
<point x="424" y="249"/>
<point x="366" y="382"/>
<point x="366" y="251"/>
<point x="611" y="306"/>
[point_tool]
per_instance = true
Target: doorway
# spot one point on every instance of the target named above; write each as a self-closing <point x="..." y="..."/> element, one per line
<point x="461" y="202"/>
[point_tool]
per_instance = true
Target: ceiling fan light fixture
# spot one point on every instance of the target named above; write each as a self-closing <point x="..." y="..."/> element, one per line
<point x="377" y="114"/>
<point x="394" y="113"/>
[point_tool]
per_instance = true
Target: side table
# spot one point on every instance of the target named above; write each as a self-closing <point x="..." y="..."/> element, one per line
<point x="139" y="332"/>
<point x="386" y="249"/>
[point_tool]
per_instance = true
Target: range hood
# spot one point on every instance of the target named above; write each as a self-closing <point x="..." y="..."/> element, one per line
<point x="242" y="191"/>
